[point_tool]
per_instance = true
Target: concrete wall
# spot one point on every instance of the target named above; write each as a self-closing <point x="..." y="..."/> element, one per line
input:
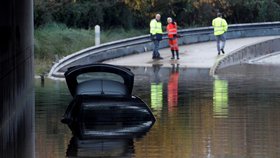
<point x="247" y="53"/>
<point x="17" y="136"/>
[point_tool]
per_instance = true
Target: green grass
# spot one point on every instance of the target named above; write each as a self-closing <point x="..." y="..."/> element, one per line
<point x="58" y="40"/>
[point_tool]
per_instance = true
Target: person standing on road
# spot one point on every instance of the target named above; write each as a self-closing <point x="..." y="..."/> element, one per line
<point x="172" y="37"/>
<point x="156" y="35"/>
<point x="220" y="27"/>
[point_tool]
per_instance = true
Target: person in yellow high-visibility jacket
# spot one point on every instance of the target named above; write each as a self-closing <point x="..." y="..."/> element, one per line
<point x="220" y="27"/>
<point x="156" y="35"/>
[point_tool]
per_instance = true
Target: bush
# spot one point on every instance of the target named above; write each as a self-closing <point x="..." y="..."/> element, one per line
<point x="59" y="40"/>
<point x="80" y="15"/>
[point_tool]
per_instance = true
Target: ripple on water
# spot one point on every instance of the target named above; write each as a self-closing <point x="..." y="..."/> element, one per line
<point x="236" y="114"/>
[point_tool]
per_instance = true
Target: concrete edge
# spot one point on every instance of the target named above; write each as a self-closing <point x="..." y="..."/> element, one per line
<point x="247" y="53"/>
<point x="263" y="57"/>
<point x="214" y="68"/>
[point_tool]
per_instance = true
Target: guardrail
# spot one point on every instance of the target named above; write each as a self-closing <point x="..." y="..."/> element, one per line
<point x="143" y="43"/>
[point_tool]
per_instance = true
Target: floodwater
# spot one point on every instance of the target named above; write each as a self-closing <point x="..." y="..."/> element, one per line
<point x="233" y="115"/>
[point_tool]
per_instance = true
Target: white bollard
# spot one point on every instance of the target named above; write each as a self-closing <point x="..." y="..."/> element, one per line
<point x="97" y="35"/>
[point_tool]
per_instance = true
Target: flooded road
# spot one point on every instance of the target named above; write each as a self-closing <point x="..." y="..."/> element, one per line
<point x="235" y="115"/>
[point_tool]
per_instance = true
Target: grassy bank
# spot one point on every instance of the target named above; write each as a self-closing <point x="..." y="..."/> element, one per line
<point x="57" y="40"/>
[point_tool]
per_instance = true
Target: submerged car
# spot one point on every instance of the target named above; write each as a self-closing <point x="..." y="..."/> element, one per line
<point x="103" y="104"/>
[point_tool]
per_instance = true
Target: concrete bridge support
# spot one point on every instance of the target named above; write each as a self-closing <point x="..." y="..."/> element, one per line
<point x="17" y="137"/>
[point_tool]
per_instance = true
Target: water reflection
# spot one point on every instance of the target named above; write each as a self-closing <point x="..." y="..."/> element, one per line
<point x="100" y="148"/>
<point x="228" y="116"/>
<point x="51" y="136"/>
<point x="107" y="129"/>
<point x="173" y="87"/>
<point x="220" y="98"/>
<point x="156" y="90"/>
<point x="100" y="145"/>
<point x="42" y="80"/>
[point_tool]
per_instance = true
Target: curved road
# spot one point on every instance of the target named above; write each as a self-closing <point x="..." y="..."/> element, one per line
<point x="199" y="55"/>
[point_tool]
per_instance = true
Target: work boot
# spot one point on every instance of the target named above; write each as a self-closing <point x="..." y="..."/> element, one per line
<point x="223" y="51"/>
<point x="172" y="51"/>
<point x="177" y="54"/>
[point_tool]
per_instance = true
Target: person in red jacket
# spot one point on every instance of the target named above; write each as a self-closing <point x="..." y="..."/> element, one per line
<point x="172" y="37"/>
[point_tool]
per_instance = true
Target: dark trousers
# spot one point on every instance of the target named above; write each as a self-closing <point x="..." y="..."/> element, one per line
<point x="156" y="48"/>
<point x="223" y="39"/>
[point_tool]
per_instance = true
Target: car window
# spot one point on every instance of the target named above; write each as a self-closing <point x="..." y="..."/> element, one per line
<point x="99" y="75"/>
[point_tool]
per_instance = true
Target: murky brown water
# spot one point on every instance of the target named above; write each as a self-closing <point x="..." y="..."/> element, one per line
<point x="230" y="116"/>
